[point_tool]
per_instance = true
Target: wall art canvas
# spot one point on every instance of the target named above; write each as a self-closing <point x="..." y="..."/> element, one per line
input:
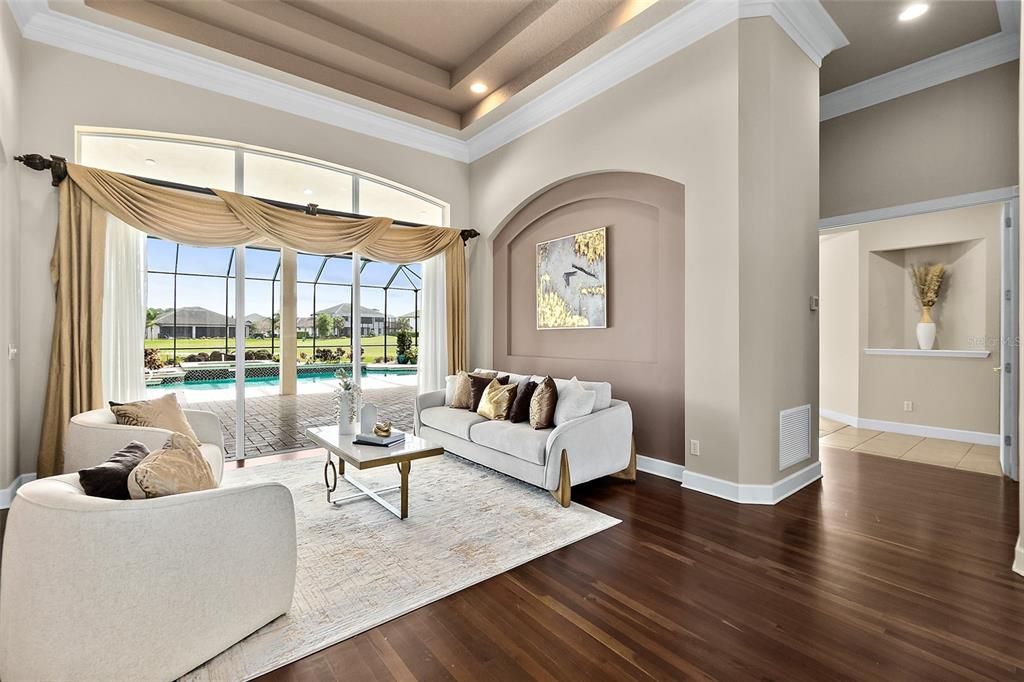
<point x="572" y="291"/>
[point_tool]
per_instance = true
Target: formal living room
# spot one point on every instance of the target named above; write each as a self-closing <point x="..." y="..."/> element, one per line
<point x="509" y="339"/>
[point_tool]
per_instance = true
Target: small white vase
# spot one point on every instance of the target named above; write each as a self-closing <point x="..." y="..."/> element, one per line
<point x="347" y="426"/>
<point x="926" y="329"/>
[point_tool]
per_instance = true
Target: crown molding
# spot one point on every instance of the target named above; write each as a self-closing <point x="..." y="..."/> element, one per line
<point x="1009" y="15"/>
<point x="38" y="22"/>
<point x="683" y="28"/>
<point x="956" y="63"/>
<point x="805" y="21"/>
<point x="988" y="196"/>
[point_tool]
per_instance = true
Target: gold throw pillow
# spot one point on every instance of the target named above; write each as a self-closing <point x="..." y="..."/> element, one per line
<point x="542" y="404"/>
<point x="178" y="467"/>
<point x="161" y="413"/>
<point x="462" y="398"/>
<point x="497" y="400"/>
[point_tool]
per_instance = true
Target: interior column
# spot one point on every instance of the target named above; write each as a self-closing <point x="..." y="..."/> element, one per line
<point x="289" y="343"/>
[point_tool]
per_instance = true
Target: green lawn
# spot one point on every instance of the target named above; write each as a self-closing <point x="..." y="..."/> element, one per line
<point x="373" y="346"/>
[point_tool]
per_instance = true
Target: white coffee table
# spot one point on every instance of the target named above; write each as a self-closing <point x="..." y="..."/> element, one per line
<point x="369" y="457"/>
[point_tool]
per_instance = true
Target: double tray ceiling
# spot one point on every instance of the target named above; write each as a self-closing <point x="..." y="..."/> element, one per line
<point x="417" y="56"/>
<point x="420" y="57"/>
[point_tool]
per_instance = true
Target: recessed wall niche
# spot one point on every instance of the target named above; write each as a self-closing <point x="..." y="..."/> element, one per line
<point x="959" y="315"/>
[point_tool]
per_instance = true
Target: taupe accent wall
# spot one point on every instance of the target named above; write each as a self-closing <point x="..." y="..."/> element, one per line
<point x="641" y="350"/>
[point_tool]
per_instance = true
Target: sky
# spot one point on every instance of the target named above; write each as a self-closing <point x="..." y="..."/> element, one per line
<point x="209" y="292"/>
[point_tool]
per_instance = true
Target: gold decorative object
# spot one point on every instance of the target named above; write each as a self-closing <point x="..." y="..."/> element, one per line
<point x="382" y="429"/>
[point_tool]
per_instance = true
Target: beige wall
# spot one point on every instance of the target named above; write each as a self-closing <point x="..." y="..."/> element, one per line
<point x="951" y="139"/>
<point x="778" y="243"/>
<point x="10" y="271"/>
<point x="681" y="120"/>
<point x="677" y="120"/>
<point x="955" y="393"/>
<point x="840" y="350"/>
<point x="62" y="89"/>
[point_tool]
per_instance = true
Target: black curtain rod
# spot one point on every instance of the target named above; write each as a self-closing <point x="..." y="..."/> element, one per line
<point x="57" y="165"/>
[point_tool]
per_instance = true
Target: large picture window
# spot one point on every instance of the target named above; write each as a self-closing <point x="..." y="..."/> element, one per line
<point x="192" y="329"/>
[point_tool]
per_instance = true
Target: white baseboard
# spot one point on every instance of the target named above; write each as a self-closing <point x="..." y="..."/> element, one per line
<point x="1018" y="556"/>
<point x="922" y="430"/>
<point x="7" y="494"/>
<point x="660" y="467"/>
<point x="837" y="416"/>
<point x="752" y="494"/>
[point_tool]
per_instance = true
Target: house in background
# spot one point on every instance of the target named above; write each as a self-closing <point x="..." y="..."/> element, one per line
<point x="195" y="322"/>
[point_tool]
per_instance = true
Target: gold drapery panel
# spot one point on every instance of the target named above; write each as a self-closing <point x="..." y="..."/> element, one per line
<point x="226" y="219"/>
<point x="75" y="383"/>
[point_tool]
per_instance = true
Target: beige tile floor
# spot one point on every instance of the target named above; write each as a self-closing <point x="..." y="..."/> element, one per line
<point x="947" y="453"/>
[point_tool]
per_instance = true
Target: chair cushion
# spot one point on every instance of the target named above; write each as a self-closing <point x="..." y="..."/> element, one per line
<point x="214" y="455"/>
<point x="519" y="440"/>
<point x="452" y="421"/>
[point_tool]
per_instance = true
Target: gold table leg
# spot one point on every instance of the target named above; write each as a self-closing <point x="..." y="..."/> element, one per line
<point x="405" y="468"/>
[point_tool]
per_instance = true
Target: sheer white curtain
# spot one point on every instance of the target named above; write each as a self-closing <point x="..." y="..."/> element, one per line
<point x="124" y="313"/>
<point x="433" y="339"/>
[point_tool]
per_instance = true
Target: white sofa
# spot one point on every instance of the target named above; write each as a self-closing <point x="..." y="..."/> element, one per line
<point x="598" y="444"/>
<point x="99" y="589"/>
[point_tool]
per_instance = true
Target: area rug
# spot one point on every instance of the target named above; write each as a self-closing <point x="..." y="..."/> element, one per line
<point x="360" y="566"/>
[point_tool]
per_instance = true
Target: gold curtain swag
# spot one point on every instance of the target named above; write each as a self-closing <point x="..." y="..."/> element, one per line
<point x="226" y="219"/>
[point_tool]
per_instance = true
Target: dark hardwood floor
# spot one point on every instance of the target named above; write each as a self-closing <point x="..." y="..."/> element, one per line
<point x="885" y="570"/>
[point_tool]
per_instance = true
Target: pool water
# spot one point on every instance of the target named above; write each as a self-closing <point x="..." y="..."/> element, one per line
<point x="274" y="381"/>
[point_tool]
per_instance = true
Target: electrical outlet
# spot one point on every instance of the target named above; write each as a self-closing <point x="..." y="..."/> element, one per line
<point x="12" y="351"/>
<point x="908" y="406"/>
<point x="695" y="448"/>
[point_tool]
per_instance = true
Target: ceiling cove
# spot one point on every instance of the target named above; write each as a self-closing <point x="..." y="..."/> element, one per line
<point x="581" y="76"/>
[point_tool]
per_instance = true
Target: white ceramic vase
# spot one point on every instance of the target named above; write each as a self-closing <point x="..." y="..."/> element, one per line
<point x="926" y="330"/>
<point x="347" y="426"/>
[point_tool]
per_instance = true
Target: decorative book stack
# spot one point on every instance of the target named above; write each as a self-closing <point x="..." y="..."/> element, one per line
<point x="395" y="438"/>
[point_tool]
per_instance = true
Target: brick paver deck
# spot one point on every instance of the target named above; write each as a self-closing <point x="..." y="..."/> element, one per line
<point x="278" y="423"/>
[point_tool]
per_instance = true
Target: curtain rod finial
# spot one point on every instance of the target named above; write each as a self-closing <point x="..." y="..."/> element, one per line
<point x="469" y="234"/>
<point x="57" y="165"/>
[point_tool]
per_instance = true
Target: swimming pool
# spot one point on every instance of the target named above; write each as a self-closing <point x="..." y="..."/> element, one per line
<point x="216" y="384"/>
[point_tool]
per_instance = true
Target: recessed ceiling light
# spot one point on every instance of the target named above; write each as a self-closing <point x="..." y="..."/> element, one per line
<point x="150" y="162"/>
<point x="478" y="87"/>
<point x="308" y="192"/>
<point x="913" y="11"/>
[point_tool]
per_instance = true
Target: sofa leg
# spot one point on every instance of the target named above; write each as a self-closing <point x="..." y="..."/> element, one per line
<point x="629" y="473"/>
<point x="563" y="494"/>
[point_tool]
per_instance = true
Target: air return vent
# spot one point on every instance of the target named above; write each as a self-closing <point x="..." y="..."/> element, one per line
<point x="794" y="436"/>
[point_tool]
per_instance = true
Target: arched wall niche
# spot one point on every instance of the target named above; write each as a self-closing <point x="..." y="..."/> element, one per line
<point x="641" y="350"/>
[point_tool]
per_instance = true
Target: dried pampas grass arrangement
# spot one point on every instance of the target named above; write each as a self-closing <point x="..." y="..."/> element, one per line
<point x="927" y="281"/>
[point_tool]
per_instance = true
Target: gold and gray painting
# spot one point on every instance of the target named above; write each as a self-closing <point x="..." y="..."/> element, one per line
<point x="571" y="281"/>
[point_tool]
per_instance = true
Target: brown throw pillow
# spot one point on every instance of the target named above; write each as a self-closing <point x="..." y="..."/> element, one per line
<point x="542" y="405"/>
<point x="521" y="405"/>
<point x="497" y="400"/>
<point x="477" y="384"/>
<point x="161" y="413"/>
<point x="110" y="479"/>
<point x="179" y="467"/>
